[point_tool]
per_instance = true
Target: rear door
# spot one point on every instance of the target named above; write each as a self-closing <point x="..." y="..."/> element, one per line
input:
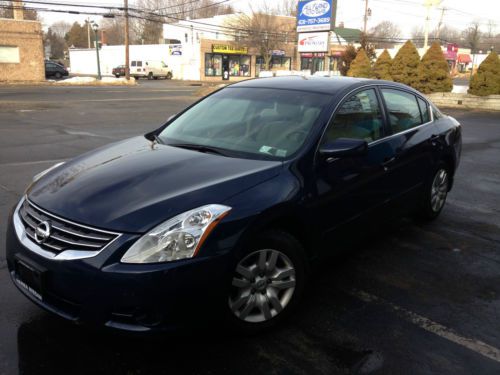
<point x="411" y="138"/>
<point x="350" y="187"/>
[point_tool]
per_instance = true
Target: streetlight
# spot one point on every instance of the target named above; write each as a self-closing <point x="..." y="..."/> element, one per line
<point x="95" y="27"/>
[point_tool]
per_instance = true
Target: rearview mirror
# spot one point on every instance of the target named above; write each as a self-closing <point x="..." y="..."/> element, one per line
<point x="344" y="147"/>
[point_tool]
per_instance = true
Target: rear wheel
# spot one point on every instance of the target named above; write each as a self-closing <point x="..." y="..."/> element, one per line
<point x="58" y="75"/>
<point x="435" y="193"/>
<point x="117" y="75"/>
<point x="150" y="76"/>
<point x="267" y="282"/>
<point x="169" y="75"/>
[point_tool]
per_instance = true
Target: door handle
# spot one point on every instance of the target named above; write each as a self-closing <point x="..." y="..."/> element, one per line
<point x="387" y="161"/>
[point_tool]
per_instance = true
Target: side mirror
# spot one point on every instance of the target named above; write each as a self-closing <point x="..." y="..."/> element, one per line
<point x="344" y="147"/>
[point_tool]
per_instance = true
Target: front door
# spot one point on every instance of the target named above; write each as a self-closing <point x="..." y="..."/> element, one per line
<point x="349" y="187"/>
<point x="225" y="67"/>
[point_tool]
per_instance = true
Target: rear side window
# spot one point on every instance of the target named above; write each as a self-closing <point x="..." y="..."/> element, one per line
<point x="139" y="63"/>
<point x="403" y="110"/>
<point x="359" y="117"/>
<point x="133" y="63"/>
<point x="424" y="110"/>
<point x="436" y="113"/>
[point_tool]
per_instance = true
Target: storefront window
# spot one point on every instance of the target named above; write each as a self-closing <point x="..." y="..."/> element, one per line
<point x="314" y="64"/>
<point x="245" y="66"/>
<point x="213" y="64"/>
<point x="276" y="63"/>
<point x="334" y="63"/>
<point x="239" y="65"/>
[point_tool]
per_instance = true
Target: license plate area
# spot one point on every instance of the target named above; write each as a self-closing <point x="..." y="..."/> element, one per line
<point x="30" y="277"/>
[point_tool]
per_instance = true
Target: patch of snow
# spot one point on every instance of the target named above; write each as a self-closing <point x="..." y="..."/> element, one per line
<point x="78" y="80"/>
<point x="460" y="89"/>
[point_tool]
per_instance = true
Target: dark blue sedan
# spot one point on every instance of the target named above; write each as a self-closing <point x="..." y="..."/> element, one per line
<point x="222" y="211"/>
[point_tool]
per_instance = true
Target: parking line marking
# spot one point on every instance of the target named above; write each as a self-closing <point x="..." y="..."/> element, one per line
<point x="440" y="330"/>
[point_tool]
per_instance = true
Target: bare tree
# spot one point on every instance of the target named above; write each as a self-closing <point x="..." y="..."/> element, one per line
<point x="491" y="28"/>
<point x="472" y="36"/>
<point x="148" y="24"/>
<point x="385" y="34"/>
<point x="417" y="36"/>
<point x="114" y="31"/>
<point x="448" y="34"/>
<point x="265" y="31"/>
<point x="286" y="7"/>
<point x="60" y="28"/>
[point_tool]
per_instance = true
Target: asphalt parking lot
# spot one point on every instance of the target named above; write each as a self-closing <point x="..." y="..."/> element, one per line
<point x="417" y="299"/>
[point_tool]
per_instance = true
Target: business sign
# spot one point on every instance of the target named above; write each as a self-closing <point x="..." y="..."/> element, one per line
<point x="316" y="15"/>
<point x="224" y="48"/>
<point x="277" y="52"/>
<point x="175" y="49"/>
<point x="313" y="42"/>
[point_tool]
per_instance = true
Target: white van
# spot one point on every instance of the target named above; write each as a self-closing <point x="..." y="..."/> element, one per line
<point x="149" y="69"/>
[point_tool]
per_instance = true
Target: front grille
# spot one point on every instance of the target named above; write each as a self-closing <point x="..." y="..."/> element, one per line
<point x="65" y="235"/>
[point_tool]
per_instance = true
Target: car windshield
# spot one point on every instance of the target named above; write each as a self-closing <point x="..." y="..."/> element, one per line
<point x="248" y="122"/>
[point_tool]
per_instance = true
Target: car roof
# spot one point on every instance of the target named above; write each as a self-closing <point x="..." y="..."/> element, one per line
<point x="323" y="85"/>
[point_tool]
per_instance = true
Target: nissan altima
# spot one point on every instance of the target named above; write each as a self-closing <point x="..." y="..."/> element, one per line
<point x="224" y="210"/>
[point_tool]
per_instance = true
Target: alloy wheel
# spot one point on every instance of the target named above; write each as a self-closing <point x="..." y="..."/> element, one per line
<point x="439" y="190"/>
<point x="262" y="286"/>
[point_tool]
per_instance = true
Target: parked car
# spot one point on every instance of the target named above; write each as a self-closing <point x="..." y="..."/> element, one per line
<point x="224" y="210"/>
<point x="119" y="71"/>
<point x="56" y="70"/>
<point x="150" y="69"/>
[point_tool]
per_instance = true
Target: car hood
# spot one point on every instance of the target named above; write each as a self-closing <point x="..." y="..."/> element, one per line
<point x="133" y="185"/>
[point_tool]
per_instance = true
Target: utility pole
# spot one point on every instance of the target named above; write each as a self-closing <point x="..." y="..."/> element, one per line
<point x="87" y="21"/>
<point x="127" y="57"/>
<point x="366" y="17"/>
<point x="428" y="6"/>
<point x="440" y="22"/>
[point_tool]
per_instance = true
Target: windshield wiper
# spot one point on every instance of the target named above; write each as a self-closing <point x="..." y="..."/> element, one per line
<point x="200" y="148"/>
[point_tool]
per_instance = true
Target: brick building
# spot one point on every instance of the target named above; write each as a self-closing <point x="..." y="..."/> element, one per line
<point x="21" y="49"/>
<point x="208" y="47"/>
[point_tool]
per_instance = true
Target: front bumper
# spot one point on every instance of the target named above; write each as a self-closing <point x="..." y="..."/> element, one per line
<point x="103" y="291"/>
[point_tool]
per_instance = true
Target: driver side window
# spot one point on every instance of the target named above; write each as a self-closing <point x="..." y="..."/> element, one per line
<point x="359" y="117"/>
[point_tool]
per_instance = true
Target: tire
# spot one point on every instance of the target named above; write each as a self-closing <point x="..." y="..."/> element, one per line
<point x="58" y="75"/>
<point x="150" y="76"/>
<point x="169" y="75"/>
<point x="266" y="284"/>
<point x="117" y="75"/>
<point x="435" y="193"/>
<point x="136" y="78"/>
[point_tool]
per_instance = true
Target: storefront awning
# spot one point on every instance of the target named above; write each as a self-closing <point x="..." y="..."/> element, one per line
<point x="464" y="58"/>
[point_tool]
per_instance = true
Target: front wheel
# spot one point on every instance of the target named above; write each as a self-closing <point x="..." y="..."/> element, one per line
<point x="169" y="75"/>
<point x="267" y="282"/>
<point x="435" y="193"/>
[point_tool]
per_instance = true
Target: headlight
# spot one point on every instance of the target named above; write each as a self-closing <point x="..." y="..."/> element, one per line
<point x="43" y="173"/>
<point x="177" y="238"/>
